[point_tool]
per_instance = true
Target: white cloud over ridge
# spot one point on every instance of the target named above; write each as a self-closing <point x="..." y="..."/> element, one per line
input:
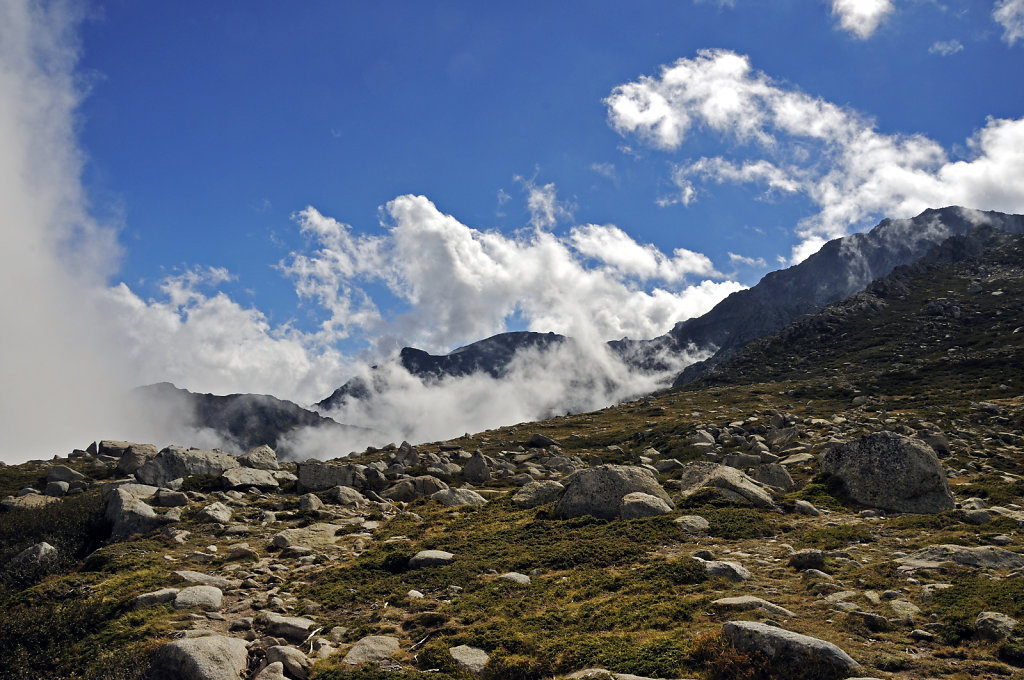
<point x="1010" y="15"/>
<point x="799" y="144"/>
<point x="861" y="18"/>
<point x="462" y="284"/>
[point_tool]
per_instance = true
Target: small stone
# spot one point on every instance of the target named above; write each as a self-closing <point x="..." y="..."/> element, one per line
<point x="516" y="577"/>
<point x="215" y="512"/>
<point x="806" y="508"/>
<point x="430" y="558"/>
<point x="310" y="502"/>
<point x="692" y="524"/>
<point x="469" y="658"/>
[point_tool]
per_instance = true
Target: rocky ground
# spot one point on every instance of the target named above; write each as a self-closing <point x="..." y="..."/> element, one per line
<point x="844" y="500"/>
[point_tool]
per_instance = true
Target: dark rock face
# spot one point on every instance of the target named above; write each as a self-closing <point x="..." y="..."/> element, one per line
<point x="892" y="472"/>
<point x="841" y="268"/>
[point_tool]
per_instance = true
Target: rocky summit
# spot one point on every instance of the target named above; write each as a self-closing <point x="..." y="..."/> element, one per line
<point x="844" y="498"/>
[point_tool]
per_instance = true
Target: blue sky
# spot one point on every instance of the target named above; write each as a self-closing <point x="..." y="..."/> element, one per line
<point x="265" y="196"/>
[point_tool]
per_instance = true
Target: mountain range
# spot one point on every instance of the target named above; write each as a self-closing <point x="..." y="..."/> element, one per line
<point x="841" y="268"/>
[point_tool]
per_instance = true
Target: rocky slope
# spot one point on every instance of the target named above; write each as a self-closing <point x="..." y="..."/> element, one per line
<point x="842" y="500"/>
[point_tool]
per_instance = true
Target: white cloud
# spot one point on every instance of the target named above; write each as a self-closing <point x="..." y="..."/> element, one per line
<point x="462" y="284"/>
<point x="1010" y="15"/>
<point x="946" y="47"/>
<point x="861" y="17"/>
<point x="543" y="203"/>
<point x="604" y="169"/>
<point x="799" y="144"/>
<point x="747" y="261"/>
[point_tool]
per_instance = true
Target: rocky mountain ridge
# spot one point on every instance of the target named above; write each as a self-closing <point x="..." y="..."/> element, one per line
<point x="844" y="499"/>
<point x="839" y="269"/>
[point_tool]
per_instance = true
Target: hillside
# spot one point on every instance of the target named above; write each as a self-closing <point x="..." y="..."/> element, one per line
<point x="655" y="538"/>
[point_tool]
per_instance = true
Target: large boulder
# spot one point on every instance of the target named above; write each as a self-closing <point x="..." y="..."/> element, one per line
<point x="316" y="475"/>
<point x="62" y="473"/>
<point x="129" y="515"/>
<point x="454" y="497"/>
<point x="135" y="456"/>
<point x="537" y="493"/>
<point x="214" y="657"/>
<point x="477" y="469"/>
<point x="726" y="481"/>
<point x="33" y="561"/>
<point x="175" y="462"/>
<point x="415" y="487"/>
<point x="892" y="472"/>
<point x="977" y="557"/>
<point x="247" y="477"/>
<point x="599" y="491"/>
<point x="372" y="649"/>
<point x="798" y="653"/>
<point x="261" y="458"/>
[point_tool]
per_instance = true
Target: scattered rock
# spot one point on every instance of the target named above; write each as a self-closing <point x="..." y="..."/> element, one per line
<point x="310" y="502"/>
<point x="807" y="559"/>
<point x="260" y="458"/>
<point x="247" y="477"/>
<point x="540" y="441"/>
<point x="347" y="496"/>
<point x="599" y="491"/>
<point x="979" y="557"/>
<point x="34" y="560"/>
<point x="534" y="494"/>
<point x="274" y="671"/>
<point x="373" y="648"/>
<point x="430" y="558"/>
<point x="155" y="597"/>
<point x="516" y="577"/>
<point x="806" y="508"/>
<point x="639" y="504"/>
<point x="787" y="648"/>
<point x="214" y="657"/>
<point x="454" y="497"/>
<point x="476" y="469"/>
<point x="889" y="471"/>
<point x="207" y="598"/>
<point x="994" y="626"/>
<point x="296" y="664"/>
<point x="175" y="462"/>
<point x="734" y="571"/>
<point x="470" y="659"/>
<point x="747" y="602"/>
<point x="217" y="513"/>
<point x="692" y="524"/>
<point x="729" y="482"/>
<point x="128" y="515"/>
<point x="295" y="629"/>
<point x="410" y="489"/>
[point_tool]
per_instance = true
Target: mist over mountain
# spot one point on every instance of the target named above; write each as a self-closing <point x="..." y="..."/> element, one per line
<point x="239" y="422"/>
<point x="573" y="375"/>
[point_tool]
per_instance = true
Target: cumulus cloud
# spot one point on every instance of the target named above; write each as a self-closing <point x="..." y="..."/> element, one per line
<point x="1010" y="15"/>
<point x="861" y="18"/>
<point x="461" y="284"/>
<point x="795" y="143"/>
<point x="946" y="47"/>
